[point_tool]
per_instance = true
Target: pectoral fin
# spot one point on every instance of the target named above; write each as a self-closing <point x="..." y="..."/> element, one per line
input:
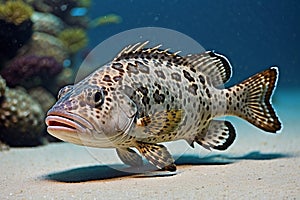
<point x="160" y="122"/>
<point x="129" y="157"/>
<point x="219" y="135"/>
<point x="158" y="155"/>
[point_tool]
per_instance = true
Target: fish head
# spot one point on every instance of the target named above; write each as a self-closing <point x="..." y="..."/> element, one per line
<point x="91" y="115"/>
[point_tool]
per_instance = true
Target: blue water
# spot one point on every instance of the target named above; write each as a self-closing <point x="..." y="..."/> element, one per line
<point x="254" y="35"/>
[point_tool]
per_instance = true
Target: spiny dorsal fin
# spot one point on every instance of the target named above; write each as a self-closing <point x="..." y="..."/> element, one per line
<point x="139" y="50"/>
<point x="131" y="49"/>
<point x="214" y="65"/>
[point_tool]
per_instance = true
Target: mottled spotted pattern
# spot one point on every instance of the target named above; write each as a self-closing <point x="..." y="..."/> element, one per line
<point x="148" y="96"/>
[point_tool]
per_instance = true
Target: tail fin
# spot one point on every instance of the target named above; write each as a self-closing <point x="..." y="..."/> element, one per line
<point x="253" y="100"/>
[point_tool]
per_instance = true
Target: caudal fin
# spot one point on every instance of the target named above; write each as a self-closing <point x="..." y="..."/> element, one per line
<point x="252" y="100"/>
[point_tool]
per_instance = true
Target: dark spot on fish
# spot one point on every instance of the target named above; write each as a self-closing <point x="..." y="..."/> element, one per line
<point x="160" y="74"/>
<point x="176" y="76"/>
<point x="188" y="76"/>
<point x="172" y="98"/>
<point x="193" y="69"/>
<point x="145" y="100"/>
<point x="193" y="89"/>
<point x="105" y="92"/>
<point x="82" y="103"/>
<point x="117" y="78"/>
<point x="158" y="98"/>
<point x="108" y="99"/>
<point x="202" y="79"/>
<point x="118" y="66"/>
<point x="168" y="106"/>
<point x="208" y="93"/>
<point x="180" y="94"/>
<point x="132" y="68"/>
<point x="157" y="85"/>
<point x="143" y="90"/>
<point x="107" y="78"/>
<point x="143" y="68"/>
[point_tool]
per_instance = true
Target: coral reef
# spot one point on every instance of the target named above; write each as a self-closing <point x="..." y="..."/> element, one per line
<point x="15" y="12"/>
<point x="42" y="44"/>
<point x="66" y="77"/>
<point x="15" y="28"/>
<point x="107" y="19"/>
<point x="74" y="38"/>
<point x="62" y="9"/>
<point x="21" y="119"/>
<point x="43" y="97"/>
<point x="46" y="100"/>
<point x="30" y="71"/>
<point x="47" y="23"/>
<point x="39" y="40"/>
<point x="2" y="87"/>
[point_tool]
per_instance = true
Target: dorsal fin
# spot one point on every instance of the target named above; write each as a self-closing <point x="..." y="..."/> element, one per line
<point x="139" y="50"/>
<point x="214" y="65"/>
<point x="131" y="49"/>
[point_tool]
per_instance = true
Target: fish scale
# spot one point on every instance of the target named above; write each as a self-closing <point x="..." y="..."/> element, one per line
<point x="147" y="96"/>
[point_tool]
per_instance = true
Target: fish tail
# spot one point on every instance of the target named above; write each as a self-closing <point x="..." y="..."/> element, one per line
<point x="251" y="100"/>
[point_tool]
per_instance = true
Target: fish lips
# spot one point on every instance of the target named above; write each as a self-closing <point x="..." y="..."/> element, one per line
<point x="61" y="122"/>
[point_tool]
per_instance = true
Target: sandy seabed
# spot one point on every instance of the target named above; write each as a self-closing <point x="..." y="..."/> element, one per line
<point x="258" y="165"/>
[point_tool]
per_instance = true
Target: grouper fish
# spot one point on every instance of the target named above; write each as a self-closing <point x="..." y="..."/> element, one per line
<point x="147" y="96"/>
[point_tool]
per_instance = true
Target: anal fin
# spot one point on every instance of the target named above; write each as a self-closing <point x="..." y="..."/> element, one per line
<point x="157" y="155"/>
<point x="219" y="135"/>
<point x="129" y="157"/>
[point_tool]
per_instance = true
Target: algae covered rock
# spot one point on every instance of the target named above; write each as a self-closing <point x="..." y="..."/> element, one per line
<point x="43" y="97"/>
<point x="74" y="39"/>
<point x="2" y="87"/>
<point x="15" y="12"/>
<point x="21" y="119"/>
<point x="31" y="71"/>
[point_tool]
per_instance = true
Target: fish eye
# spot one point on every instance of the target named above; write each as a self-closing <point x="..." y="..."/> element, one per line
<point x="98" y="98"/>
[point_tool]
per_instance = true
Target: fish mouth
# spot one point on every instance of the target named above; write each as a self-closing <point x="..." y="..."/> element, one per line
<point x="61" y="122"/>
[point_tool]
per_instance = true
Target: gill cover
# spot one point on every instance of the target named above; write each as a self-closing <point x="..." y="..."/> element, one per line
<point x="122" y="115"/>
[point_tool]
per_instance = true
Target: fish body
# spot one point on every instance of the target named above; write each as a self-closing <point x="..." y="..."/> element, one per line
<point x="146" y="96"/>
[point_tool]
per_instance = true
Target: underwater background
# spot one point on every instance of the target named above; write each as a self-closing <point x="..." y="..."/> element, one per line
<point x="43" y="45"/>
<point x="252" y="34"/>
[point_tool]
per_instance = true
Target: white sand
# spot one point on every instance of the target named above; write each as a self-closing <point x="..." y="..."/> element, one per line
<point x="258" y="165"/>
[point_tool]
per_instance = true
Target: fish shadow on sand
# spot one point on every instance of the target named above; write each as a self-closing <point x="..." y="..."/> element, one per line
<point x="104" y="172"/>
